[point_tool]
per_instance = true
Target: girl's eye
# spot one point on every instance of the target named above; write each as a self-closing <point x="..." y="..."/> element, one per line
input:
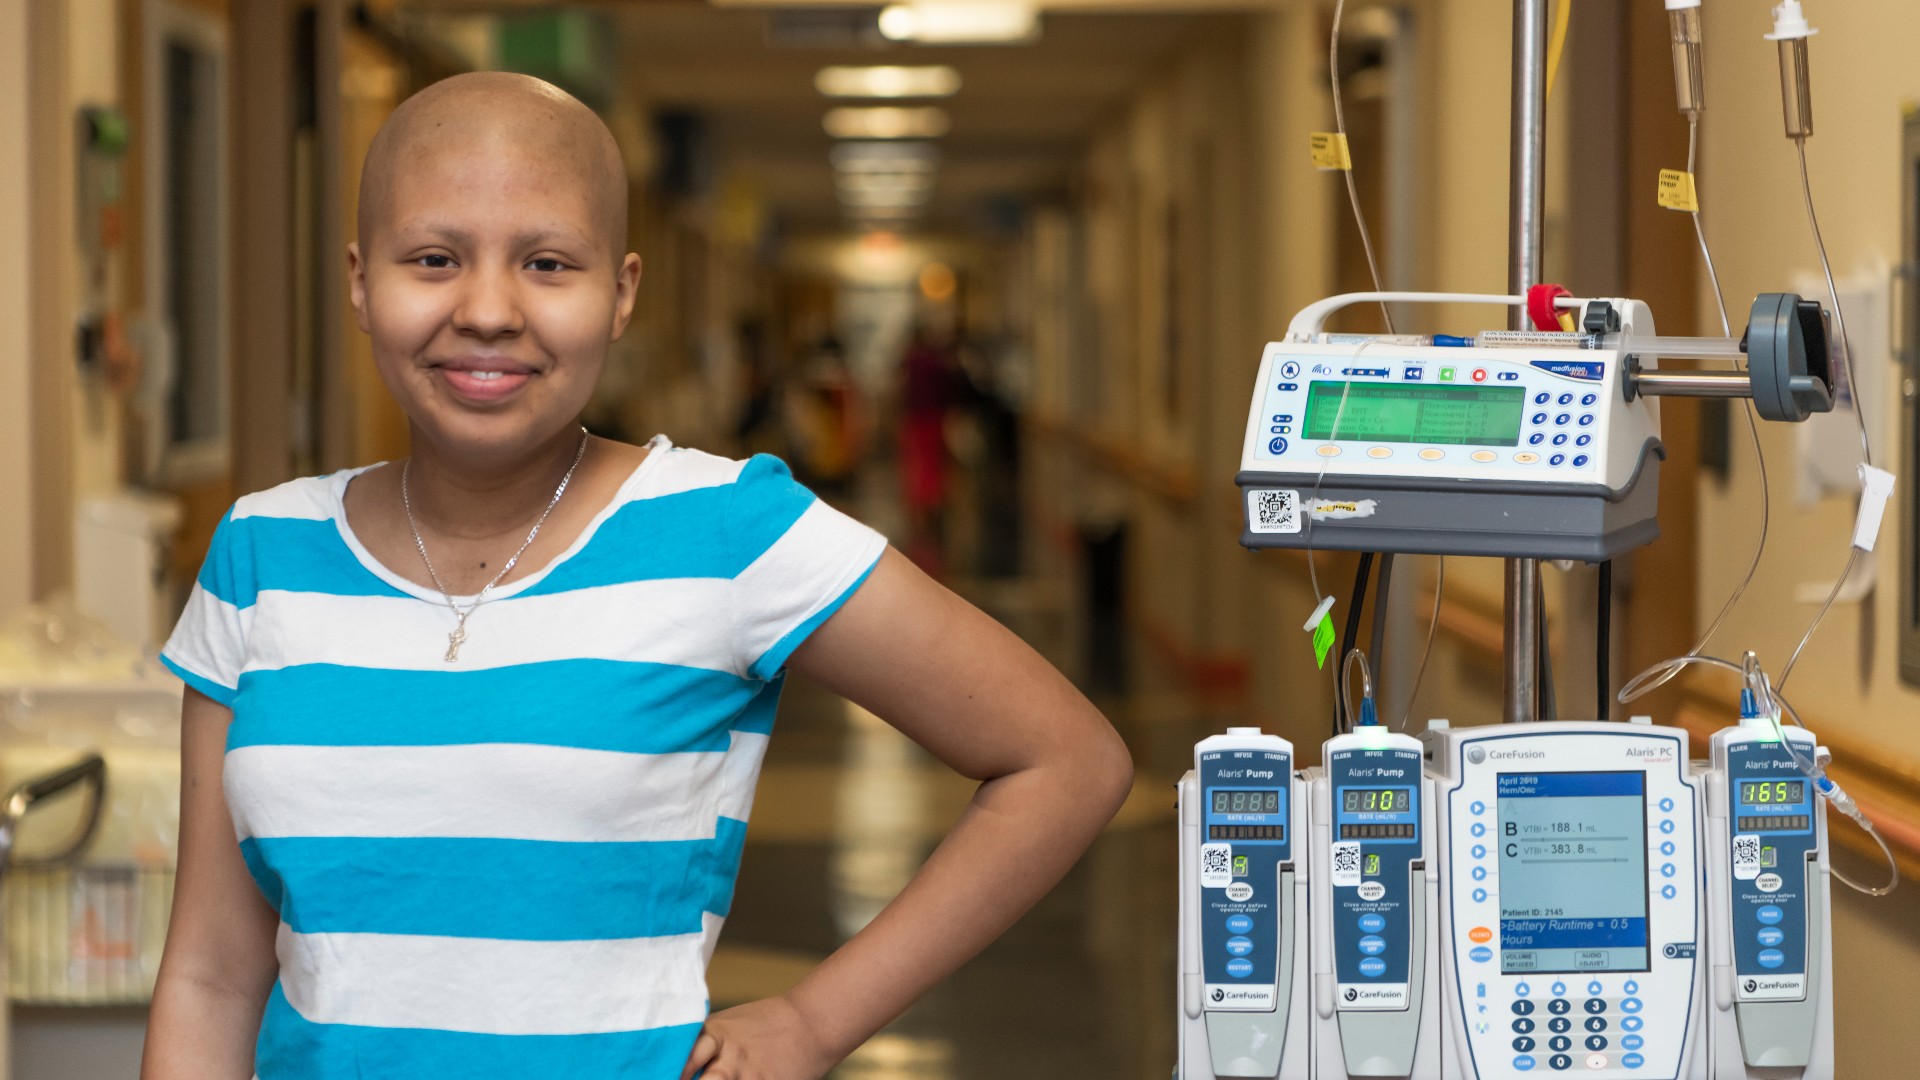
<point x="435" y="262"/>
<point x="546" y="266"/>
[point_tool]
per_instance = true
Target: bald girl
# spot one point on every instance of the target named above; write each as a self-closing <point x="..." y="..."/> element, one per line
<point x="434" y="135"/>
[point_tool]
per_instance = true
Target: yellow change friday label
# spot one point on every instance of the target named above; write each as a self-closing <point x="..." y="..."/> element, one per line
<point x="1330" y="151"/>
<point x="1677" y="191"/>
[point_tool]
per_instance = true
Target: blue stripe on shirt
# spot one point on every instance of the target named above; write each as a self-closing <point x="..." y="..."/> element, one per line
<point x="588" y="704"/>
<point x="291" y="1047"/>
<point x="288" y="554"/>
<point x="523" y="890"/>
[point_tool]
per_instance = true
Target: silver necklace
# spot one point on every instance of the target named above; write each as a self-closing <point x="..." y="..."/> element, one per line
<point x="459" y="635"/>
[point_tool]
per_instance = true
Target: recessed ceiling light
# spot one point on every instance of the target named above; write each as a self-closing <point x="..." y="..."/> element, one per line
<point x="886" y="122"/>
<point x="888" y="81"/>
<point x="886" y="157"/>
<point x="960" y="22"/>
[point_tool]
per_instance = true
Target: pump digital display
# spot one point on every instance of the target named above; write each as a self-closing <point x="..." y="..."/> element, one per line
<point x="1573" y="872"/>
<point x="1390" y="800"/>
<point x="1441" y="415"/>
<point x="1246" y="802"/>
<point x="1772" y="792"/>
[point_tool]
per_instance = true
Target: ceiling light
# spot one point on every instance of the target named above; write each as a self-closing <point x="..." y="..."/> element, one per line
<point x="888" y="82"/>
<point x="883" y="182"/>
<point x="886" y="122"/>
<point x="887" y="157"/>
<point x="866" y="199"/>
<point x="960" y="22"/>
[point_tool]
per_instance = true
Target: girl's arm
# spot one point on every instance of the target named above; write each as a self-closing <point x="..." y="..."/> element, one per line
<point x="219" y="964"/>
<point x="1053" y="772"/>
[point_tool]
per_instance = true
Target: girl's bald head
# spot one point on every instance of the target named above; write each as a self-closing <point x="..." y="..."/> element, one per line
<point x="498" y="115"/>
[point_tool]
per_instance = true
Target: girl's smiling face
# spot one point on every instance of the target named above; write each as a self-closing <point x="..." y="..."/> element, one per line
<point x="492" y="285"/>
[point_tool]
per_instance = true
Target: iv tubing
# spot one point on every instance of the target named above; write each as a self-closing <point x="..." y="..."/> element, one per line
<point x="1664" y="672"/>
<point x="1853" y="387"/>
<point x="1562" y="19"/>
<point x="1353" y="189"/>
<point x="1769" y="696"/>
<point x="1433" y="624"/>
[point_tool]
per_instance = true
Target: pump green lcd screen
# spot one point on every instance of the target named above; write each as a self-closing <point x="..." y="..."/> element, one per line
<point x="1440" y="415"/>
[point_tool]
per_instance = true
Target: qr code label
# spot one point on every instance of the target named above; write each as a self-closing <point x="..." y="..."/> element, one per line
<point x="1746" y="857"/>
<point x="1216" y="866"/>
<point x="1273" y="511"/>
<point x="1346" y="863"/>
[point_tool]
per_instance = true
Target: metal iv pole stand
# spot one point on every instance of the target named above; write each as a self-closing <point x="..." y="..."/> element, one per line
<point x="1527" y="205"/>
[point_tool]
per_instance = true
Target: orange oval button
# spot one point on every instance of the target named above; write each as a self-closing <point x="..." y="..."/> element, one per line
<point x="1380" y="452"/>
<point x="1431" y="454"/>
<point x="1480" y="935"/>
<point x="1484" y="455"/>
<point x="1327" y="450"/>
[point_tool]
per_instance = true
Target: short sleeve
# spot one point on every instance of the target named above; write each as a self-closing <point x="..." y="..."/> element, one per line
<point x="800" y="560"/>
<point x="208" y="644"/>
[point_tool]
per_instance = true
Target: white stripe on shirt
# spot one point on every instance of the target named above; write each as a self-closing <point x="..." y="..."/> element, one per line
<point x="505" y="791"/>
<point x="494" y="986"/>
<point x="668" y="621"/>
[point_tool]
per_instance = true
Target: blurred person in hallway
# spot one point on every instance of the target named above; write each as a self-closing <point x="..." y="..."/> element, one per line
<point x="471" y="738"/>
<point x="930" y="388"/>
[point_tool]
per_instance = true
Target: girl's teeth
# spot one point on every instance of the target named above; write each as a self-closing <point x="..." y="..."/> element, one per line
<point x="488" y="374"/>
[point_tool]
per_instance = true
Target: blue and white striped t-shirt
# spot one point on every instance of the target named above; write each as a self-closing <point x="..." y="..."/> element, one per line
<point x="515" y="864"/>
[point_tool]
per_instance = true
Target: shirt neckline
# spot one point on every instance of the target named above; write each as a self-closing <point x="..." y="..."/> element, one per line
<point x="657" y="448"/>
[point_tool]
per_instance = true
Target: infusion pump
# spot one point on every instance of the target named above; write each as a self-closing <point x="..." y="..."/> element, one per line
<point x="1571" y="919"/>
<point x="1521" y="445"/>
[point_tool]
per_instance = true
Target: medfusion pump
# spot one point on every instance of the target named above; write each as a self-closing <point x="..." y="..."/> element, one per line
<point x="1770" y="891"/>
<point x="1243" y="912"/>
<point x="1376" y="1004"/>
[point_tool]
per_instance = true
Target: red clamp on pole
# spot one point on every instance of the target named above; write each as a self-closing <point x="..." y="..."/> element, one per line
<point x="1542" y="310"/>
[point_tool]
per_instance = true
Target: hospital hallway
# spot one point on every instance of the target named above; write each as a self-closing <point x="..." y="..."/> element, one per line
<point x="998" y="278"/>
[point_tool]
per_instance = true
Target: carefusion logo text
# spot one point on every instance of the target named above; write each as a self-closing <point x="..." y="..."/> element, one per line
<point x="1373" y="996"/>
<point x="1773" y="988"/>
<point x="1240" y="998"/>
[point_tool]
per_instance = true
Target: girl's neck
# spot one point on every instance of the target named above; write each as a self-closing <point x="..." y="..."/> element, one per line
<point x="459" y="496"/>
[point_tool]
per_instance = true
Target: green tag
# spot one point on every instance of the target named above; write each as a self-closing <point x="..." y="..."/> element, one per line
<point x="1323" y="639"/>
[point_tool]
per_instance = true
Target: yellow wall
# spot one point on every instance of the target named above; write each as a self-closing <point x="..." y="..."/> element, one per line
<point x="16" y="490"/>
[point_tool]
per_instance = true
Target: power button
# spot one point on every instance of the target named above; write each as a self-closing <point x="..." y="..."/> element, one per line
<point x="1277" y="446"/>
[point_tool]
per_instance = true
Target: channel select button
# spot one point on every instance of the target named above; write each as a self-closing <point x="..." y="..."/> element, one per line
<point x="1327" y="450"/>
<point x="1430" y="454"/>
<point x="1484" y="456"/>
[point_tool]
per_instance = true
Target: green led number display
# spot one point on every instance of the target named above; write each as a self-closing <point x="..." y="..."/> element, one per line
<point x="1772" y="792"/>
<point x="1440" y="415"/>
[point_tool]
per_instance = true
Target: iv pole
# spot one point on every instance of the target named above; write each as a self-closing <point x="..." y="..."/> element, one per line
<point x="1527" y="205"/>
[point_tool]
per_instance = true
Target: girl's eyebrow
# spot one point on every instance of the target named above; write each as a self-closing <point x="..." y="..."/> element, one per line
<point x="565" y="235"/>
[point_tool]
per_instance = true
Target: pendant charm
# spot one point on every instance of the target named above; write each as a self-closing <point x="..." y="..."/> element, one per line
<point x="454" y="641"/>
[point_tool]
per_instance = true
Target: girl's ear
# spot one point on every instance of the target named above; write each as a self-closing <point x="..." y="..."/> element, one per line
<point x="626" y="288"/>
<point x="357" y="284"/>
